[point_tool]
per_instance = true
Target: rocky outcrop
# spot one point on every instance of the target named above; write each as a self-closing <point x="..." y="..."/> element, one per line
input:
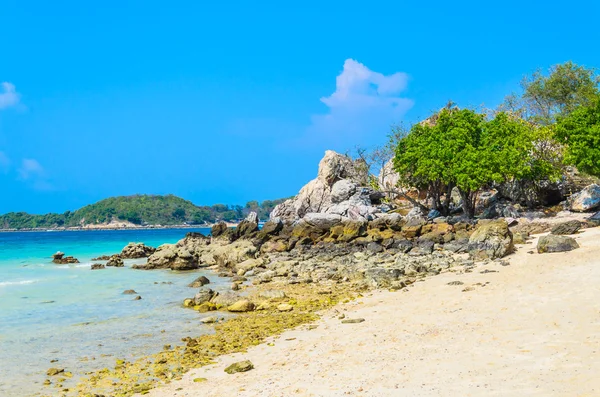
<point x="586" y="200"/>
<point x="491" y="240"/>
<point x="552" y="243"/>
<point x="341" y="188"/>
<point x="97" y="266"/>
<point x="59" y="258"/>
<point x="196" y="251"/>
<point x="115" y="261"/>
<point x="136" y="251"/>
<point x="248" y="227"/>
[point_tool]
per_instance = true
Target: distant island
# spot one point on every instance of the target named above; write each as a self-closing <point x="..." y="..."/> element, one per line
<point x="137" y="211"/>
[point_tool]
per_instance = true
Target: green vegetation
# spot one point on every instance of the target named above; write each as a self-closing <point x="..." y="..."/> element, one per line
<point x="139" y="210"/>
<point x="526" y="142"/>
<point x="580" y="133"/>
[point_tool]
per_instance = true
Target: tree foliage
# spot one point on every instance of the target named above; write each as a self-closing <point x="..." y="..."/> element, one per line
<point x="580" y="133"/>
<point x="461" y="148"/>
<point x="545" y="97"/>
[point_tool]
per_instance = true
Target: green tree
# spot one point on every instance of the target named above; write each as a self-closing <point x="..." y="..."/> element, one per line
<point x="460" y="148"/>
<point x="545" y="97"/>
<point x="580" y="133"/>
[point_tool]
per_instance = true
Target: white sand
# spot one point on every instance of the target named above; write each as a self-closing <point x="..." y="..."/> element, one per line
<point x="533" y="330"/>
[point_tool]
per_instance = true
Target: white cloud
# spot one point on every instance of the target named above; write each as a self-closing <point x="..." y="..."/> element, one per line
<point x="4" y="162"/>
<point x="32" y="172"/>
<point x="8" y="95"/>
<point x="364" y="104"/>
<point x="30" y="169"/>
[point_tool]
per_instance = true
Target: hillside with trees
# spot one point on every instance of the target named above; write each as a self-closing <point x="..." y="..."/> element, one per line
<point x="140" y="210"/>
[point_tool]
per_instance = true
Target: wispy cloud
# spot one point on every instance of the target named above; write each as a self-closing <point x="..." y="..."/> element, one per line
<point x="4" y="163"/>
<point x="31" y="168"/>
<point x="364" y="103"/>
<point x="32" y="172"/>
<point x="8" y="95"/>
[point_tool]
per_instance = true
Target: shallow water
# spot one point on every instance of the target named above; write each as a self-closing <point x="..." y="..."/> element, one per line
<point x="80" y="317"/>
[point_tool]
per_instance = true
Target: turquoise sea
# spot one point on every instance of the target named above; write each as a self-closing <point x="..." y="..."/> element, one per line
<point x="81" y="317"/>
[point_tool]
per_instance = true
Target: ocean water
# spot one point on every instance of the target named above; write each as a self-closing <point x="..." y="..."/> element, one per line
<point x="81" y="317"/>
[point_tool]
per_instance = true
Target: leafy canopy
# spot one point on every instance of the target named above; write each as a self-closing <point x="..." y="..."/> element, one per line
<point x="580" y="133"/>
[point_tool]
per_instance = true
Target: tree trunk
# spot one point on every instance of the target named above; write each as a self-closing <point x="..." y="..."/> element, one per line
<point x="468" y="202"/>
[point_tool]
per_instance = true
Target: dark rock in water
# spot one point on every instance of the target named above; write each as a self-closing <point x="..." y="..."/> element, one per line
<point x="136" y="251"/>
<point x="492" y="240"/>
<point x="97" y="266"/>
<point x="55" y="371"/>
<point x="553" y="243"/>
<point x="199" y="282"/>
<point x="375" y="247"/>
<point x="102" y="258"/>
<point x="204" y="295"/>
<point x="242" y="366"/>
<point x="115" y="261"/>
<point x="218" y="229"/>
<point x="60" y="259"/>
<point x="137" y="298"/>
<point x="129" y="292"/>
<point x="569" y="227"/>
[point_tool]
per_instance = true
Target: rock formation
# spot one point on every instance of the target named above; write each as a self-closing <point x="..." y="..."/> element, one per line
<point x="136" y="251"/>
<point x="341" y="188"/>
<point x="60" y="259"/>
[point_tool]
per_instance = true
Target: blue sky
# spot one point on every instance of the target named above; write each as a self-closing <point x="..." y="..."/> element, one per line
<point x="233" y="101"/>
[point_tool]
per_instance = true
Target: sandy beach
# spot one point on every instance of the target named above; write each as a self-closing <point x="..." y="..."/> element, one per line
<point x="531" y="328"/>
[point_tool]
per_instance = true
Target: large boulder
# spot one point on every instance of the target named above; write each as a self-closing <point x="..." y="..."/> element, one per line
<point x="248" y="226"/>
<point x="115" y="261"/>
<point x="218" y="229"/>
<point x="322" y="221"/>
<point x="568" y="227"/>
<point x="587" y="199"/>
<point x="491" y="240"/>
<point x="342" y="190"/>
<point x="553" y="243"/>
<point x="136" y="251"/>
<point x="316" y="196"/>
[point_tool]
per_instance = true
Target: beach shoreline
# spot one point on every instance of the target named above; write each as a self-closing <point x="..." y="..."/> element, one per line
<point x="534" y="323"/>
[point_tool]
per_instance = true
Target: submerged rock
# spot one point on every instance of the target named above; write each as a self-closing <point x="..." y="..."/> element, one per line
<point x="553" y="243"/>
<point x="60" y="259"/>
<point x="115" y="261"/>
<point x="129" y="292"/>
<point x="97" y="266"/>
<point x="199" y="282"/>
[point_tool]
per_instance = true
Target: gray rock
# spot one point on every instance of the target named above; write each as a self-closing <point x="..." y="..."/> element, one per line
<point x="136" y="250"/>
<point x="204" y="295"/>
<point x="569" y="227"/>
<point x="374" y="247"/>
<point x="199" y="282"/>
<point x="322" y="221"/>
<point x="342" y="190"/>
<point x="491" y="240"/>
<point x="594" y="220"/>
<point x="587" y="199"/>
<point x="553" y="243"/>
